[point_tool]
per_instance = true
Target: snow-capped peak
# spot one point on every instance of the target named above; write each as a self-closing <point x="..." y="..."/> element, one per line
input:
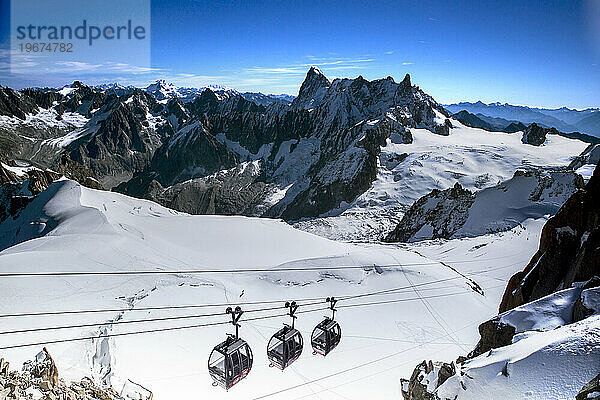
<point x="162" y="90"/>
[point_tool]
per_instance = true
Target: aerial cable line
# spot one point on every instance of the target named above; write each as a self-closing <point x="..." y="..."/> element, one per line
<point x="406" y="299"/>
<point x="143" y="320"/>
<point x="218" y="271"/>
<point x="173" y="328"/>
<point x="213" y="323"/>
<point x="156" y="308"/>
<point x="358" y="366"/>
<point x="87" y="325"/>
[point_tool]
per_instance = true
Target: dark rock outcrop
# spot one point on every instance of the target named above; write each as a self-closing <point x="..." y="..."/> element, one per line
<point x="472" y="120"/>
<point x="569" y="250"/>
<point x="489" y="123"/>
<point x="239" y="190"/>
<point x="591" y="390"/>
<point x="313" y="89"/>
<point x="40" y="376"/>
<point x="515" y="127"/>
<point x="536" y="135"/>
<point x="74" y="170"/>
<point x="493" y="334"/>
<point x="15" y="104"/>
<point x="585" y="306"/>
<point x="591" y="155"/>
<point x="442" y="210"/>
<point x="122" y="142"/>
<point x="426" y="376"/>
<point x="44" y="368"/>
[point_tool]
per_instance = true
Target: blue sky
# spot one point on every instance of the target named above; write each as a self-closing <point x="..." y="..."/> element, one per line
<point x="540" y="53"/>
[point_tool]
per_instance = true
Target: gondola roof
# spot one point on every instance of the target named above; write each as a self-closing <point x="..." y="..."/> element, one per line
<point x="230" y="345"/>
<point x="285" y="333"/>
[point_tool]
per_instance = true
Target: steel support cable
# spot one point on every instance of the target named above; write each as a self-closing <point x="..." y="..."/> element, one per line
<point x="172" y="328"/>
<point x="224" y="271"/>
<point x="358" y="366"/>
<point x="220" y="323"/>
<point x="134" y="321"/>
<point x="193" y="306"/>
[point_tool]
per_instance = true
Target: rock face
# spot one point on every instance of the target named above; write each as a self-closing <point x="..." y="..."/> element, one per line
<point x="588" y="304"/>
<point x="425" y="378"/>
<point x="569" y="249"/>
<point x="536" y="135"/>
<point x="591" y="155"/>
<point x="591" y="390"/>
<point x="515" y="127"/>
<point x="313" y="155"/>
<point x="492" y="124"/>
<point x="458" y="212"/>
<point x="44" y="368"/>
<point x="121" y="139"/>
<point x="14" y="104"/>
<point x="494" y="333"/>
<point x="313" y="90"/>
<point x="39" y="380"/>
<point x="74" y="170"/>
<point x="436" y="215"/>
<point x="473" y="120"/>
<point x="112" y="135"/>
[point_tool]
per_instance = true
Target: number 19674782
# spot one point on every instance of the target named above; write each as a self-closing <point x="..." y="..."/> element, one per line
<point x="50" y="47"/>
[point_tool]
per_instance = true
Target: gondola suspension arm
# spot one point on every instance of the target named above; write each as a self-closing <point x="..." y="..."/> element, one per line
<point x="235" y="317"/>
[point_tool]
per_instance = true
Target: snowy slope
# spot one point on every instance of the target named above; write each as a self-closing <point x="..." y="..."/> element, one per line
<point x="458" y="212"/>
<point x="78" y="229"/>
<point x="550" y="356"/>
<point x="475" y="158"/>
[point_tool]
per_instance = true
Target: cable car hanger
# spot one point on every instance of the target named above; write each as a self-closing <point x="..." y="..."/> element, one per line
<point x="236" y="314"/>
<point x="332" y="302"/>
<point x="292" y="307"/>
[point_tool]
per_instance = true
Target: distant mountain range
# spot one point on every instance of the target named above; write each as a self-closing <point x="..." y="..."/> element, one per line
<point x="339" y="144"/>
<point x="162" y="91"/>
<point x="564" y="119"/>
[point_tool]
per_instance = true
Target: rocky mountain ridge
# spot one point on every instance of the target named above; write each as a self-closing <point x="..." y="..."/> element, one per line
<point x="307" y="159"/>
<point x="39" y="379"/>
<point x="568" y="252"/>
<point x="459" y="212"/>
<point x="310" y="157"/>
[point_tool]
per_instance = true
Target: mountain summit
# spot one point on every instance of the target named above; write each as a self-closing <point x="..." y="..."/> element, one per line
<point x="312" y="90"/>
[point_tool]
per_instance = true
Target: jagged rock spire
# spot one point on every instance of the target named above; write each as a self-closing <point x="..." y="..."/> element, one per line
<point x="312" y="90"/>
<point x="406" y="85"/>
